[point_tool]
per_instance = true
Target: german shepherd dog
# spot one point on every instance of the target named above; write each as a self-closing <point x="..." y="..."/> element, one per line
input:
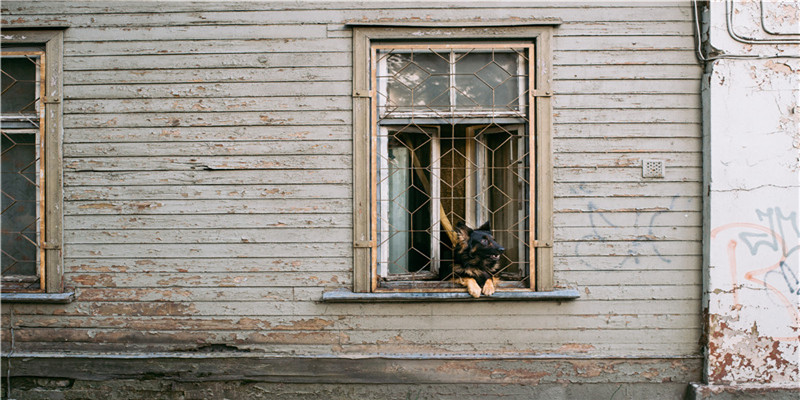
<point x="476" y="259"/>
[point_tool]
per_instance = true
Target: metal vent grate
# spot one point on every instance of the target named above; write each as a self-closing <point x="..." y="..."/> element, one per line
<point x="652" y="168"/>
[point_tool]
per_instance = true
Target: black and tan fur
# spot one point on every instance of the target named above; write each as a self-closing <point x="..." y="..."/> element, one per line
<point x="476" y="259"/>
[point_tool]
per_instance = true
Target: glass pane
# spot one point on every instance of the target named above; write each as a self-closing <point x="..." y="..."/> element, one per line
<point x="416" y="81"/>
<point x="19" y="203"/>
<point x="18" y="81"/>
<point x="487" y="80"/>
<point x="399" y="212"/>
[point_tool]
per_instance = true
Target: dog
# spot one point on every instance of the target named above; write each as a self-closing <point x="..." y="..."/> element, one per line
<point x="476" y="259"/>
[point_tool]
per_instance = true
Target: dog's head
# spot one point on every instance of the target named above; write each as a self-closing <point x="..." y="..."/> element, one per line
<point x="479" y="242"/>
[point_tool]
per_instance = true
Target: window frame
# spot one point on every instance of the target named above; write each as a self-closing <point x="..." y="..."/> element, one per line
<point x="52" y="134"/>
<point x="365" y="114"/>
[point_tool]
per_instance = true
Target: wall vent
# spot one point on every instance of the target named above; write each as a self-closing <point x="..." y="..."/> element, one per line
<point x="652" y="168"/>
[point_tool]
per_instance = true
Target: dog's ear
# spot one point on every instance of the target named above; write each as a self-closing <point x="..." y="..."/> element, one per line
<point x="486" y="227"/>
<point x="463" y="231"/>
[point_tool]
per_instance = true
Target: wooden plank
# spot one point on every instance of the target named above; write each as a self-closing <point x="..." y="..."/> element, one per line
<point x="205" y="163"/>
<point x="326" y="16"/>
<point x="627" y="189"/>
<point x="286" y="103"/>
<point x="624" y="57"/>
<point x="322" y="278"/>
<point x="208" y="61"/>
<point x="678" y="174"/>
<point x="265" y="219"/>
<point x="578" y="307"/>
<point x="162" y="308"/>
<point x="260" y="45"/>
<point x="207" y="192"/>
<point x="208" y="149"/>
<point x="219" y="235"/>
<point x="210" y="280"/>
<point x="174" y="207"/>
<point x="669" y="202"/>
<point x="645" y="72"/>
<point x="618" y="101"/>
<point x="639" y="43"/>
<point x="418" y="337"/>
<point x="262" y="74"/>
<point x="175" y="294"/>
<point x="616" y="28"/>
<point x="207" y="119"/>
<point x="631" y="218"/>
<point x="308" y="264"/>
<point x="610" y="115"/>
<point x="201" y="32"/>
<point x="293" y="133"/>
<point x="219" y="90"/>
<point x="242" y="250"/>
<point x="306" y="304"/>
<point x="171" y="178"/>
<point x="294" y="323"/>
<point x="638" y="130"/>
<point x="655" y="86"/>
<point x="622" y="233"/>
<point x="632" y="249"/>
<point x="627" y="145"/>
<point x="520" y="337"/>
<point x="634" y="278"/>
<point x="684" y="159"/>
<point x="625" y="263"/>
<point x="53" y="173"/>
<point x="83" y="7"/>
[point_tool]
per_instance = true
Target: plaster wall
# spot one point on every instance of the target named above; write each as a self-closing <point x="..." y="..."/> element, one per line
<point x="752" y="128"/>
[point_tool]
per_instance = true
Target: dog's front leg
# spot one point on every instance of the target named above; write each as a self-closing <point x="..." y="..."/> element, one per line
<point x="472" y="286"/>
<point x="490" y="286"/>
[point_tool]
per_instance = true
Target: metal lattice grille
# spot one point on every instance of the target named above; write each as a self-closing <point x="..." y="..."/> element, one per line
<point x="451" y="143"/>
<point x="22" y="176"/>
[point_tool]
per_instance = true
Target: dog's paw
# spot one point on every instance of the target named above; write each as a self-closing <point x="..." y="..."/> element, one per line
<point x="473" y="288"/>
<point x="489" y="287"/>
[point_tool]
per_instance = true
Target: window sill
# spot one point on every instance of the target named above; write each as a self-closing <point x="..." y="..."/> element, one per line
<point x="51" y="298"/>
<point x="348" y="296"/>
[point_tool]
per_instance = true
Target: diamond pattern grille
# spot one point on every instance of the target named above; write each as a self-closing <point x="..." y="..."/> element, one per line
<point x="451" y="144"/>
<point x="20" y="173"/>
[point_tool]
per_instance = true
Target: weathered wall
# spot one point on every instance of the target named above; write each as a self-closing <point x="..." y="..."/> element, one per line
<point x="208" y="187"/>
<point x="753" y="138"/>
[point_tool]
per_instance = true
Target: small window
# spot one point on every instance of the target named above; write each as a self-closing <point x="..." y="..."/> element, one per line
<point x="29" y="112"/>
<point x="453" y="137"/>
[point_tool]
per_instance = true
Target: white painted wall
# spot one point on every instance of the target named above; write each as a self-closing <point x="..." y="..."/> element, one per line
<point x="752" y="128"/>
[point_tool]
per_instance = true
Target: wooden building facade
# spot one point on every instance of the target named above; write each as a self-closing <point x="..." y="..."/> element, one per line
<point x="215" y="174"/>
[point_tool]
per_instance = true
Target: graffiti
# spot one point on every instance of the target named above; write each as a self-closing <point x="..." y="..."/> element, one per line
<point x="769" y="263"/>
<point x="643" y="244"/>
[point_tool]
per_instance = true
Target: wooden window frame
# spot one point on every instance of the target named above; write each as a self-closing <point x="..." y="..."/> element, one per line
<point x="539" y="101"/>
<point x="52" y="134"/>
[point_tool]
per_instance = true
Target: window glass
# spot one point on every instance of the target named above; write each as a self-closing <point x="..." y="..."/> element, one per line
<point x="20" y="172"/>
<point x="19" y="85"/>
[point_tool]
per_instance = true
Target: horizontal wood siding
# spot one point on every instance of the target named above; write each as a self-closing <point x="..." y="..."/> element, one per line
<point x="208" y="184"/>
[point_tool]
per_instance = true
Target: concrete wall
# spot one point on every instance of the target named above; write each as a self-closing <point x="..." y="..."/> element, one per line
<point x="208" y="202"/>
<point x="753" y="136"/>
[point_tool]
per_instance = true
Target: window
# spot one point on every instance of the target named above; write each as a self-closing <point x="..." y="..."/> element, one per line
<point x="30" y="173"/>
<point x="449" y="131"/>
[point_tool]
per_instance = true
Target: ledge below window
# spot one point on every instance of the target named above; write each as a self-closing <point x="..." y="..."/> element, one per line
<point x="53" y="298"/>
<point x="348" y="296"/>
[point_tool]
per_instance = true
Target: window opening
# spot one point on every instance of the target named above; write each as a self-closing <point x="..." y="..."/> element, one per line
<point x="22" y="169"/>
<point x="451" y="144"/>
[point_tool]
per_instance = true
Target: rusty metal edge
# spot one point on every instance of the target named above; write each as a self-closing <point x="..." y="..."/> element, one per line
<point x="348" y="296"/>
